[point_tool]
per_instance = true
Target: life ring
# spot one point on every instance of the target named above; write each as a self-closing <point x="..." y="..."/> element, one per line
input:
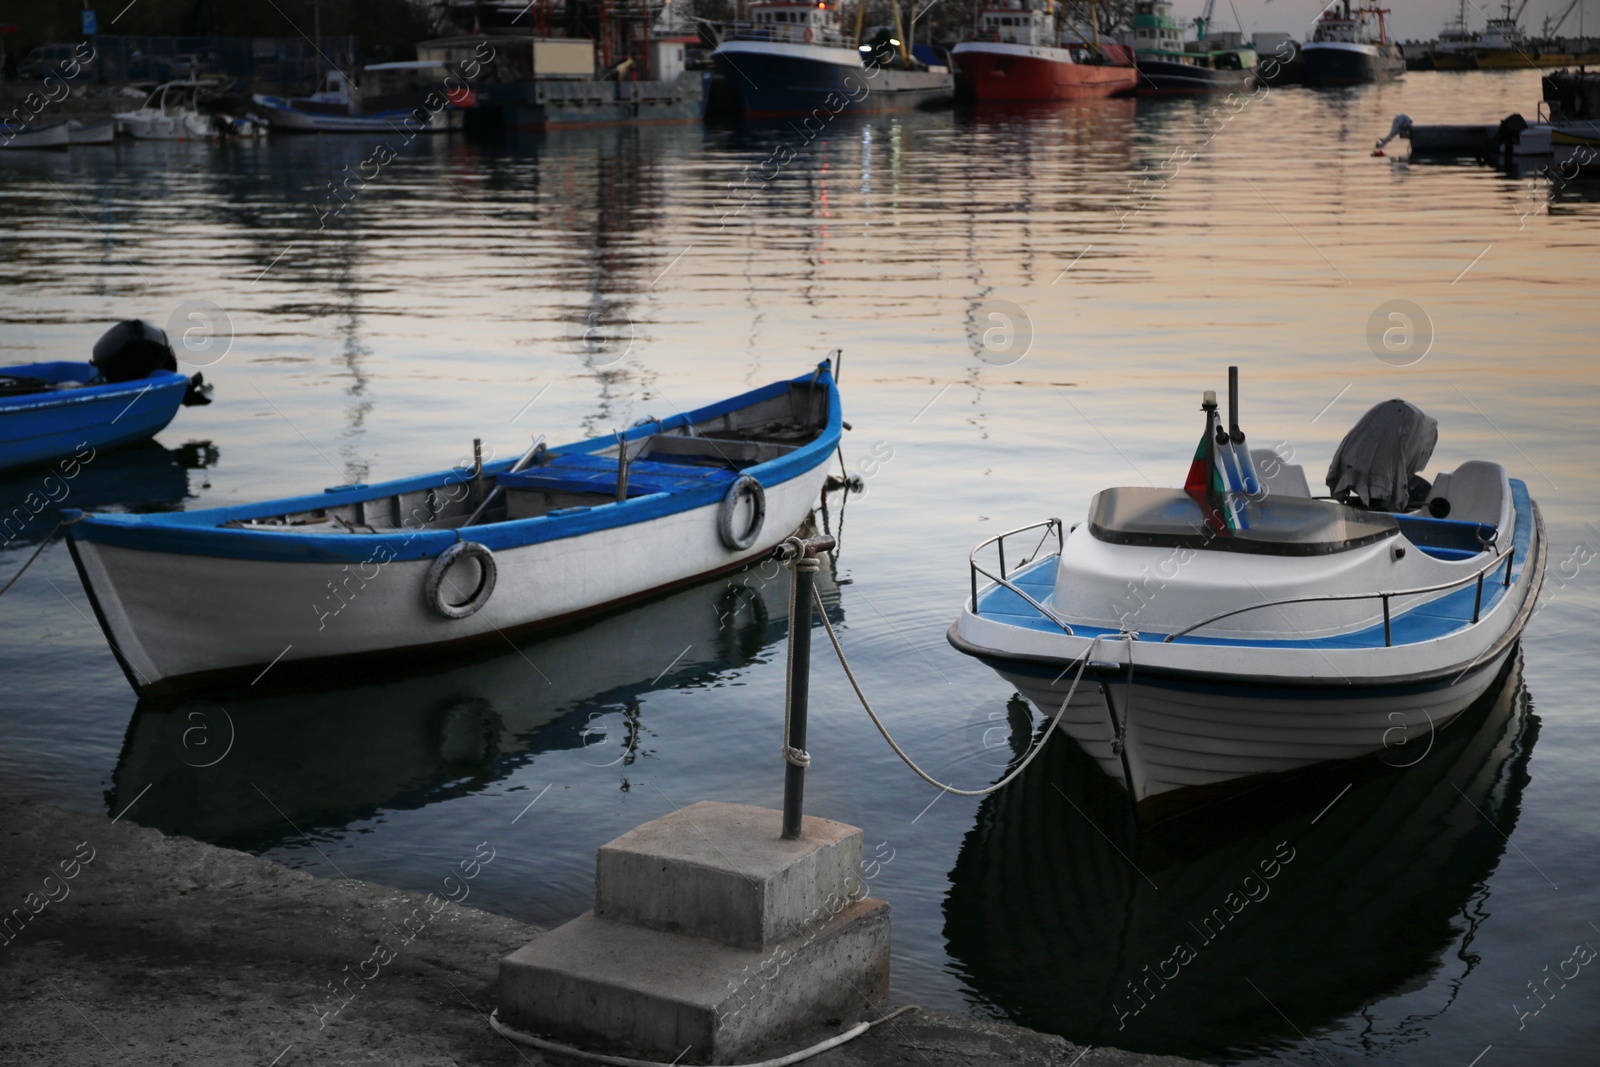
<point x="744" y="484"/>
<point x="808" y="35"/>
<point x="433" y="584"/>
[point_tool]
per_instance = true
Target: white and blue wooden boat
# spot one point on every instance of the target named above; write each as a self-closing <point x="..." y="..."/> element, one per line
<point x="51" y="411"/>
<point x="1240" y="629"/>
<point x="460" y="556"/>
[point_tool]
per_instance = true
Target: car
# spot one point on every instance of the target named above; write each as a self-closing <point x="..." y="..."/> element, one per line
<point x="48" y="59"/>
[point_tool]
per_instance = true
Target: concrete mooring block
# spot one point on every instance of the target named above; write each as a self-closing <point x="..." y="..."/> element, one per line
<point x="712" y="940"/>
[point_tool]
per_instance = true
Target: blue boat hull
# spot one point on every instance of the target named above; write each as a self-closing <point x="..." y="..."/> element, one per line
<point x="42" y="427"/>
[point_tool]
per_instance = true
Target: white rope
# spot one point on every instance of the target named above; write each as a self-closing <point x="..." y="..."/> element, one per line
<point x="627" y="1061"/>
<point x="909" y="762"/>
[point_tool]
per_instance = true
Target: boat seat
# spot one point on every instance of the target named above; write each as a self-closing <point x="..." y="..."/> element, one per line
<point x="1477" y="491"/>
<point x="723" y="450"/>
<point x="1287" y="479"/>
<point x="588" y="473"/>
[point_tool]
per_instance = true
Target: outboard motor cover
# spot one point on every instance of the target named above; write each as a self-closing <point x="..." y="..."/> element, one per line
<point x="131" y="350"/>
<point x="1379" y="458"/>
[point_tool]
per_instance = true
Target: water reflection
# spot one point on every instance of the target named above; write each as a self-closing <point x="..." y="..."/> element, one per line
<point x="142" y="478"/>
<point x="331" y="750"/>
<point x="1064" y="918"/>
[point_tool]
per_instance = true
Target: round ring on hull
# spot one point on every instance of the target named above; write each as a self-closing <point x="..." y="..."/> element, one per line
<point x="433" y="584"/>
<point x="742" y="486"/>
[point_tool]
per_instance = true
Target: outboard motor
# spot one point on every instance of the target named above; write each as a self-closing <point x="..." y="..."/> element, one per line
<point x="131" y="350"/>
<point x="134" y="349"/>
<point x="1376" y="464"/>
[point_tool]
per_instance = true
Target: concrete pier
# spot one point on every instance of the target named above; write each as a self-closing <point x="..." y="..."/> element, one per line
<point x="712" y="940"/>
<point x="168" y="950"/>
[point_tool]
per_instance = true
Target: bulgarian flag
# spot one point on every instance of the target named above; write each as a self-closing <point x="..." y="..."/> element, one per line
<point x="1210" y="480"/>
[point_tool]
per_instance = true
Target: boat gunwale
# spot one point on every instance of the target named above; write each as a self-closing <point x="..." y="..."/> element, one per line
<point x="55" y="399"/>
<point x="203" y="533"/>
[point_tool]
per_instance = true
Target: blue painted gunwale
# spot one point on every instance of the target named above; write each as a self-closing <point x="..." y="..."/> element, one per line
<point x="42" y="427"/>
<point x="202" y="533"/>
<point x="1441" y="617"/>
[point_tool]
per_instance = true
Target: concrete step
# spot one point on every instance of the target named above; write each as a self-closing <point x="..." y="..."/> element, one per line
<point x="608" y="985"/>
<point x="722" y="871"/>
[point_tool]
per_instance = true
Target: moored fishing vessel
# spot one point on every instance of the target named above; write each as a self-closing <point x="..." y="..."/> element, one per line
<point x="461" y="556"/>
<point x="1018" y="52"/>
<point x="1455" y="46"/>
<point x="1166" y="64"/>
<point x="794" y="59"/>
<point x="1351" y="46"/>
<point x="1239" y="629"/>
<point x="394" y="102"/>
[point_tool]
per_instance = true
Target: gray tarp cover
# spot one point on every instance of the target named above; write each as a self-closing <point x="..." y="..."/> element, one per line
<point x="1377" y="458"/>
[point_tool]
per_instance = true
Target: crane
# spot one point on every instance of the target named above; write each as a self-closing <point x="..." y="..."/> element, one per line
<point x="1552" y="26"/>
<point x="1203" y="23"/>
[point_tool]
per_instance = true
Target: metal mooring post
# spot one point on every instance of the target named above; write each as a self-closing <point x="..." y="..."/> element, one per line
<point x="801" y="556"/>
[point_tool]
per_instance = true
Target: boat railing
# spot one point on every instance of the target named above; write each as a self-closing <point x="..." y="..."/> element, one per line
<point x="999" y="541"/>
<point x="1509" y="555"/>
<point x="793" y="33"/>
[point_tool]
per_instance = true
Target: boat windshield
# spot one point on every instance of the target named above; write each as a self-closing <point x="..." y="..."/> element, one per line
<point x="1273" y="525"/>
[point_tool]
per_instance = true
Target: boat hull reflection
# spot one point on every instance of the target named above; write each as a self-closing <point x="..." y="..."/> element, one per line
<point x="1323" y="897"/>
<point x="239" y="772"/>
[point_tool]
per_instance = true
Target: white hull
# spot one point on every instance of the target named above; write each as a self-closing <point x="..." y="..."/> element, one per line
<point x="53" y="136"/>
<point x="153" y="126"/>
<point x="284" y="117"/>
<point x="1179" y="739"/>
<point x="100" y="131"/>
<point x="173" y="616"/>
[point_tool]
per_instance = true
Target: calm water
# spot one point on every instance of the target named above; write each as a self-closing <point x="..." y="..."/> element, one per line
<point x="573" y="284"/>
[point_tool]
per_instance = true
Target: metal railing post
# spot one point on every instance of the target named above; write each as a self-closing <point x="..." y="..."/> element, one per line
<point x="1477" y="603"/>
<point x="801" y="555"/>
<point x="1511" y="554"/>
<point x="1388" y="640"/>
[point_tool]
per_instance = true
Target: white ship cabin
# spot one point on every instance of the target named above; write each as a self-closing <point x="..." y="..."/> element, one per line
<point x="799" y="23"/>
<point x="1349" y="25"/>
<point x="1017" y="25"/>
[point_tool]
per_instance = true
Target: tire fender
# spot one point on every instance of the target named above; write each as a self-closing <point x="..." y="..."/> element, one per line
<point x="734" y="539"/>
<point x="433" y="592"/>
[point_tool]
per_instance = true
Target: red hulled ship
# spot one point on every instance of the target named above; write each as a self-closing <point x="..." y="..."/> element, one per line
<point x="1018" y="53"/>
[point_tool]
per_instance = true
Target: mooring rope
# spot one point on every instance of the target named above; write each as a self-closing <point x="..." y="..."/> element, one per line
<point x="48" y="538"/>
<point x="546" y="1045"/>
<point x="909" y="762"/>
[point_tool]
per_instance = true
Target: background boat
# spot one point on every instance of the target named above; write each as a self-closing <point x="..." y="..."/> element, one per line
<point x="171" y="113"/>
<point x="795" y="58"/>
<point x="1019" y="51"/>
<point x="96" y="131"/>
<point x="63" y="419"/>
<point x="1168" y="64"/>
<point x="52" y="135"/>
<point x="1351" y="46"/>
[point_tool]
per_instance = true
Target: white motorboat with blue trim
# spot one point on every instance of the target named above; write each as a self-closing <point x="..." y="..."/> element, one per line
<point x="462" y="556"/>
<point x="1240" y="628"/>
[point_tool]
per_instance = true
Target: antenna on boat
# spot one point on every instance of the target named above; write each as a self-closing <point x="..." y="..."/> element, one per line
<point x="1235" y="434"/>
